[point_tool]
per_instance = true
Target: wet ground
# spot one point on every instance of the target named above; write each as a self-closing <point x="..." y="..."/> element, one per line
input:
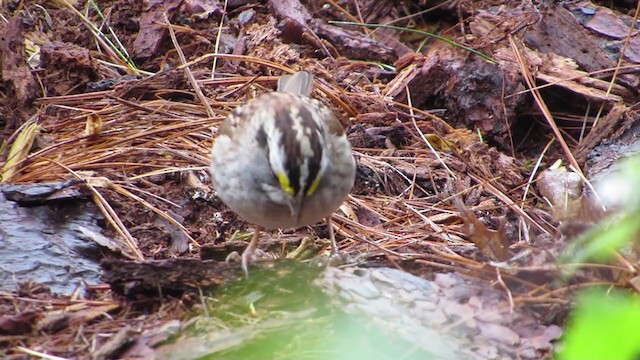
<point x="49" y="243"/>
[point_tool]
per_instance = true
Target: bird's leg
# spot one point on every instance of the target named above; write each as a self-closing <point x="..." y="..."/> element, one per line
<point x="248" y="253"/>
<point x="332" y="237"/>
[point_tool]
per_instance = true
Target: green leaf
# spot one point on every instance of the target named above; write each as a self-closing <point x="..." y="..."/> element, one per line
<point x="604" y="326"/>
<point x="599" y="243"/>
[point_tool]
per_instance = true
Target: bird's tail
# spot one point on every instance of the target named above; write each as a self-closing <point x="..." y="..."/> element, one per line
<point x="300" y="83"/>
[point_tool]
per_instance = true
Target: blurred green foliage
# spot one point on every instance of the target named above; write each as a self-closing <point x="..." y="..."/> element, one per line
<point x="606" y="322"/>
<point x="604" y="326"/>
<point x="278" y="313"/>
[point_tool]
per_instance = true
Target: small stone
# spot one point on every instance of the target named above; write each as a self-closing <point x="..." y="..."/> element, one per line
<point x="529" y="353"/>
<point x="437" y="317"/>
<point x="446" y="280"/>
<point x="499" y="333"/>
<point x="423" y="305"/>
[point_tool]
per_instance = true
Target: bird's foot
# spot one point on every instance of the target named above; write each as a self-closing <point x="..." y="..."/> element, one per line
<point x="247" y="258"/>
<point x="338" y="258"/>
<point x="334" y="259"/>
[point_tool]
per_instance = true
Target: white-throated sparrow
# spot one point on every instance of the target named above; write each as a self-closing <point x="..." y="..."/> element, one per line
<point x="283" y="160"/>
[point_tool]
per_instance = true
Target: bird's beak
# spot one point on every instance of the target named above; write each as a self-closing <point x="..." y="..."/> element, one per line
<point x="296" y="205"/>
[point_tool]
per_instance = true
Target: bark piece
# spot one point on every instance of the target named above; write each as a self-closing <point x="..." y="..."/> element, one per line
<point x="613" y="137"/>
<point x="559" y="32"/>
<point x="152" y="31"/>
<point x="75" y="63"/>
<point x="169" y="276"/>
<point x="349" y="43"/>
<point x="16" y="75"/>
<point x="471" y="89"/>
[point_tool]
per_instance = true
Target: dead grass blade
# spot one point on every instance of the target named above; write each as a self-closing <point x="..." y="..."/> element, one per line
<point x="131" y="243"/>
<point x="19" y="150"/>
<point x="183" y="60"/>
<point x="612" y="83"/>
<point x="526" y="74"/>
<point x="120" y="190"/>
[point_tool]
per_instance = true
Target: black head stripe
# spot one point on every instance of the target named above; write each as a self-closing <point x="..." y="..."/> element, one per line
<point x="293" y="148"/>
<point x="261" y="138"/>
<point x="313" y="131"/>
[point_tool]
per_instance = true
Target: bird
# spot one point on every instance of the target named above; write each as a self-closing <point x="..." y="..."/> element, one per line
<point x="282" y="160"/>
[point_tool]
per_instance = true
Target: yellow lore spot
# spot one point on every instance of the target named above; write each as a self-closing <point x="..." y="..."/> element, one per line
<point x="314" y="186"/>
<point x="285" y="184"/>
